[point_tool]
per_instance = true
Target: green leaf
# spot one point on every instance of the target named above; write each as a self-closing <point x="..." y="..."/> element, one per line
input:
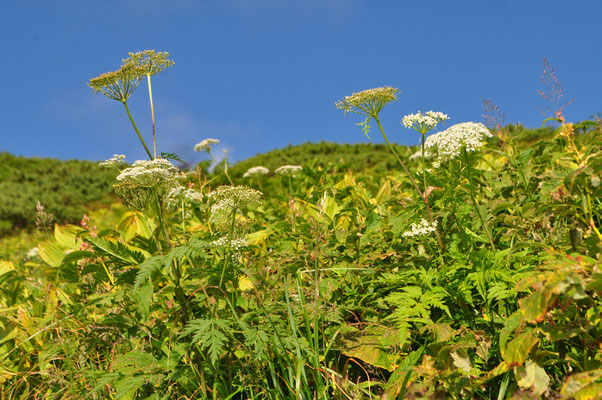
<point x="532" y="376"/>
<point x="461" y="360"/>
<point x="583" y="386"/>
<point x="518" y="349"/>
<point x="65" y="236"/>
<point x="6" y="266"/>
<point x="51" y="254"/>
<point x="510" y="325"/>
<point x="144" y="295"/>
<point x="376" y="346"/>
<point x="534" y="307"/>
<point x="210" y="334"/>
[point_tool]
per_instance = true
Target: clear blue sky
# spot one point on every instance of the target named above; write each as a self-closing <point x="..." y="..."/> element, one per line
<point x="260" y="74"/>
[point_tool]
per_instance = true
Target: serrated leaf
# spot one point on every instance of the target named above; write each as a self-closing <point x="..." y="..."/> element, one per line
<point x="210" y="334"/>
<point x="144" y="296"/>
<point x="147" y="268"/>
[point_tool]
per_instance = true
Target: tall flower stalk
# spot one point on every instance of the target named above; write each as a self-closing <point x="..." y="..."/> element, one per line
<point x="150" y="63"/>
<point x="205" y="145"/>
<point x="120" y="85"/>
<point x="370" y="103"/>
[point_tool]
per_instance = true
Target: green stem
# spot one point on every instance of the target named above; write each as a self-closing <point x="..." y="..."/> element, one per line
<point x="150" y="96"/>
<point x="159" y="206"/>
<point x="223" y="169"/>
<point x="137" y="131"/>
<point x="221" y="279"/>
<point x="474" y="200"/>
<point x="422" y="196"/>
<point x="423" y="160"/>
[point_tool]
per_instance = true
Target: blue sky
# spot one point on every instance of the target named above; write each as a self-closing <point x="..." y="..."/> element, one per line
<point x="260" y="74"/>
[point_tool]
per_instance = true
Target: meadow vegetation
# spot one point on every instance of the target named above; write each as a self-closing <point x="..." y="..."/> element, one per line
<point x="465" y="268"/>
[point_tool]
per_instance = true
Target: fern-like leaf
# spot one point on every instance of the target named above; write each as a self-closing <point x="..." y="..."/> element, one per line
<point x="210" y="334"/>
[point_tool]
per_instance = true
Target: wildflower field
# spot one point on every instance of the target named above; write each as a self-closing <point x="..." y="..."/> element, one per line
<point x="463" y="268"/>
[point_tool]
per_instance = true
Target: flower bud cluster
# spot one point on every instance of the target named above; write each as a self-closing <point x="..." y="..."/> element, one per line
<point x="368" y="102"/>
<point x="151" y="62"/>
<point x="422" y="228"/>
<point x="424" y="122"/>
<point x="448" y="144"/>
<point x="254" y="171"/>
<point x="289" y="170"/>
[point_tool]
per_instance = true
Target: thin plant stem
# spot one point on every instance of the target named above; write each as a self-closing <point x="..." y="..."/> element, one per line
<point x="137" y="131"/>
<point x="221" y="279"/>
<point x="150" y="96"/>
<point x="474" y="200"/>
<point x="159" y="206"/>
<point x="422" y="196"/>
<point x="423" y="159"/>
<point x="223" y="169"/>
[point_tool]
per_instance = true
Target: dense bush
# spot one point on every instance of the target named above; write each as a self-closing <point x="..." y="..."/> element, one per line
<point x="64" y="188"/>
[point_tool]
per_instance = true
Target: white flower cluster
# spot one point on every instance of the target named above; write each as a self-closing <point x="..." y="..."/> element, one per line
<point x="226" y="213"/>
<point x="140" y="183"/>
<point x="235" y="243"/>
<point x="448" y="144"/>
<point x="150" y="173"/>
<point x="259" y="170"/>
<point x="422" y="228"/>
<point x="289" y="170"/>
<point x="205" y="145"/>
<point x="179" y="194"/>
<point x="32" y="253"/>
<point x="426" y="121"/>
<point x="113" y="162"/>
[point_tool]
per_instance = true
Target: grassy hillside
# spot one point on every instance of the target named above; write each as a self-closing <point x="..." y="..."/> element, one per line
<point x="65" y="188"/>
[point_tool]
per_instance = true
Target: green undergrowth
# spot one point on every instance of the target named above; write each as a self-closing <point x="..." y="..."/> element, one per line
<point x="329" y="299"/>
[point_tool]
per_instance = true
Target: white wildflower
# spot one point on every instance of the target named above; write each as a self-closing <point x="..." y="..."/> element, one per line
<point x="228" y="200"/>
<point x="448" y="144"/>
<point x="150" y="173"/>
<point x="235" y="243"/>
<point x="289" y="170"/>
<point x="179" y="194"/>
<point x="235" y="196"/>
<point x="139" y="184"/>
<point x="32" y="253"/>
<point x="424" y="227"/>
<point x="113" y="162"/>
<point x="424" y="122"/>
<point x="205" y="145"/>
<point x="259" y="170"/>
